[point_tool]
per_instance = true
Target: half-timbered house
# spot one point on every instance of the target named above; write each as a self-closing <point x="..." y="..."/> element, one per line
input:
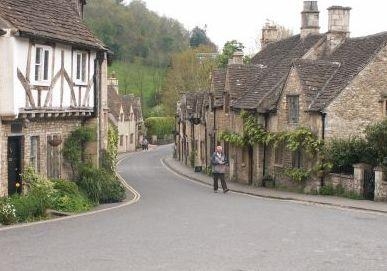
<point x="52" y="80"/>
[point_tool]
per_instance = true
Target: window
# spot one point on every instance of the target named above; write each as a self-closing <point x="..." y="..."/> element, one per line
<point x="279" y="154"/>
<point x="293" y="108"/>
<point x="131" y="138"/>
<point x="297" y="159"/>
<point x="34" y="153"/>
<point x="42" y="64"/>
<point x="121" y="140"/>
<point x="80" y="61"/>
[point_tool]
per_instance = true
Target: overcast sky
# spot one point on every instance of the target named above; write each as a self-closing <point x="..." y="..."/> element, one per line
<point x="243" y="19"/>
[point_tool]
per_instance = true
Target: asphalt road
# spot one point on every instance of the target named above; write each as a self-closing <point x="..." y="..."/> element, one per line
<point x="182" y="225"/>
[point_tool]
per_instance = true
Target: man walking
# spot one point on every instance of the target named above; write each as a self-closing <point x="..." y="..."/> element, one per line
<point x="219" y="162"/>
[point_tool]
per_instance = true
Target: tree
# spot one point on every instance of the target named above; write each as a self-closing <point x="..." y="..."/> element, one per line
<point x="189" y="71"/>
<point x="199" y="37"/>
<point x="229" y="48"/>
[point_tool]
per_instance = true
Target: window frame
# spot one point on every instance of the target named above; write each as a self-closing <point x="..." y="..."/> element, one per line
<point x="81" y="60"/>
<point x="42" y="77"/>
<point x="34" y="152"/>
<point x="293" y="116"/>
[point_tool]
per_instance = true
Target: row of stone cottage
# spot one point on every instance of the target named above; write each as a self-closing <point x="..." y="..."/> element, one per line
<point x="331" y="83"/>
<point x="53" y="79"/>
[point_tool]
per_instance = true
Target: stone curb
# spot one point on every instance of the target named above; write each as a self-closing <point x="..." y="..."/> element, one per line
<point x="294" y="199"/>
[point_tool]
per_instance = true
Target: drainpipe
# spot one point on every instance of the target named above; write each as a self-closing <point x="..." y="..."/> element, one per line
<point x="323" y="116"/>
<point x="264" y="148"/>
<point x="205" y="141"/>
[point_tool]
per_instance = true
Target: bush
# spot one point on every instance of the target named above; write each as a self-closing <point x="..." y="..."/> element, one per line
<point x="343" y="153"/>
<point x="7" y="212"/>
<point x="29" y="207"/>
<point x="160" y="126"/>
<point x="68" y="198"/>
<point x="100" y="186"/>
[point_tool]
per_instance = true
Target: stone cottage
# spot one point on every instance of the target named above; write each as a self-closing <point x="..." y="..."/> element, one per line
<point x="330" y="83"/>
<point x="125" y="115"/>
<point x="53" y="80"/>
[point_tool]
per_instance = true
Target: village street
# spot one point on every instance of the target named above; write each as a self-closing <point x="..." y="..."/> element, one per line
<point x="182" y="225"/>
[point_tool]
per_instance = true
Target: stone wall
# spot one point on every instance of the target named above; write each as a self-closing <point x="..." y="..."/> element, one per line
<point x="42" y="129"/>
<point x="359" y="104"/>
<point x="345" y="181"/>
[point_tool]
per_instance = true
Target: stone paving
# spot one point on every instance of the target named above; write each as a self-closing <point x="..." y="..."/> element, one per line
<point x="365" y="205"/>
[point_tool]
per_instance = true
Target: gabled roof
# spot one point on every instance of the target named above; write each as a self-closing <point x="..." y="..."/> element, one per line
<point x="54" y="20"/>
<point x="353" y="55"/>
<point x="314" y="75"/>
<point x="130" y="100"/>
<point x="218" y="86"/>
<point x="274" y="62"/>
<point x="114" y="102"/>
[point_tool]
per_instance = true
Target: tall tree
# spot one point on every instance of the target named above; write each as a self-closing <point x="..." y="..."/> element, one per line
<point x="198" y="36"/>
<point x="189" y="71"/>
<point x="229" y="48"/>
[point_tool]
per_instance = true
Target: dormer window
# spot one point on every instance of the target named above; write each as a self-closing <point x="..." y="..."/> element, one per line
<point x="80" y="67"/>
<point x="42" y="65"/>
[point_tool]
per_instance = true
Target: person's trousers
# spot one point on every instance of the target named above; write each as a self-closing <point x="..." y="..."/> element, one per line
<point x="222" y="181"/>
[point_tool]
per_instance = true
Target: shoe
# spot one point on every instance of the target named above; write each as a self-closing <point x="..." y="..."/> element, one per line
<point x="215" y="191"/>
<point x="226" y="190"/>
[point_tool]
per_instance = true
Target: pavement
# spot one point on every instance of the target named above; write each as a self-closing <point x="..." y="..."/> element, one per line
<point x="364" y="205"/>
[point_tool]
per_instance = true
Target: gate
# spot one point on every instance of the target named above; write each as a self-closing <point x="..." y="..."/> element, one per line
<point x="369" y="184"/>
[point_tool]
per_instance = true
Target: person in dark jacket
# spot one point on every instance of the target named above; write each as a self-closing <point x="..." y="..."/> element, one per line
<point x="219" y="164"/>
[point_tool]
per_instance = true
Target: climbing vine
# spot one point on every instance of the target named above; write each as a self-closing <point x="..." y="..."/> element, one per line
<point x="253" y="133"/>
<point x="109" y="160"/>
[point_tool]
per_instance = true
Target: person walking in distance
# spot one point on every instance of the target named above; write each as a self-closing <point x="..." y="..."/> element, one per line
<point x="219" y="163"/>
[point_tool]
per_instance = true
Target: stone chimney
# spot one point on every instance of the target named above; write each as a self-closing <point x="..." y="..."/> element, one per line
<point x="310" y="19"/>
<point x="269" y="34"/>
<point x="237" y="58"/>
<point x="113" y="81"/>
<point x="78" y="5"/>
<point x="338" y="26"/>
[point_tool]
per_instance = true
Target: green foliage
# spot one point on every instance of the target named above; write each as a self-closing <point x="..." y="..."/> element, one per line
<point x="330" y="190"/>
<point x="253" y="133"/>
<point x="100" y="185"/>
<point x="228" y="50"/>
<point x="298" y="175"/>
<point x="199" y="37"/>
<point x="68" y="197"/>
<point x="132" y="31"/>
<point x="160" y="126"/>
<point x="109" y="160"/>
<point x="7" y="212"/>
<point x="344" y="153"/>
<point x="74" y="146"/>
<point x="376" y="136"/>
<point x="141" y="80"/>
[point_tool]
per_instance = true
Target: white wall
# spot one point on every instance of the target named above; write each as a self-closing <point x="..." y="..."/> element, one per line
<point x="14" y="55"/>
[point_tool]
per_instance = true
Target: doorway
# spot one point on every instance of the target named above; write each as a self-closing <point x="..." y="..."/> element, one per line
<point x="14" y="164"/>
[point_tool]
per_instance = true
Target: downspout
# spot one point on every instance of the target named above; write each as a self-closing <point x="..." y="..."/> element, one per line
<point x="323" y="116"/>
<point x="264" y="148"/>
<point x="205" y="141"/>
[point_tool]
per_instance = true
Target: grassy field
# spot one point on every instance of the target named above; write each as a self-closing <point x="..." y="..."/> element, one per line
<point x="143" y="81"/>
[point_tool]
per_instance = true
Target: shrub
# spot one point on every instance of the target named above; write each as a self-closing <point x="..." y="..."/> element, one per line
<point x="100" y="186"/>
<point x="29" y="207"/>
<point x="343" y="153"/>
<point x="160" y="126"/>
<point x="298" y="175"/>
<point x="7" y="212"/>
<point x="68" y="197"/>
<point x="376" y="136"/>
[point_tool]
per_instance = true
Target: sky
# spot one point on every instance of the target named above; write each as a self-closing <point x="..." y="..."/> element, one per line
<point x="243" y="20"/>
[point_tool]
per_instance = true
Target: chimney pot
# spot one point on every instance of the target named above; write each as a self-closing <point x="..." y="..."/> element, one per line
<point x="310" y="19"/>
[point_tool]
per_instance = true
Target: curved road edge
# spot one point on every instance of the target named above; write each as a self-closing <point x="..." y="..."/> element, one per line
<point x="345" y="204"/>
<point x="136" y="198"/>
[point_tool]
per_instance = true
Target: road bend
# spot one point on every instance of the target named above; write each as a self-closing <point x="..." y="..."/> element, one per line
<point x="182" y="225"/>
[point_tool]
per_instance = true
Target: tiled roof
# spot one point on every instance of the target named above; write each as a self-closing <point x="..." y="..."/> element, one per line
<point x="114" y="102"/>
<point x="353" y="55"/>
<point x="218" y="86"/>
<point x="274" y="62"/>
<point x="314" y="75"/>
<point x="54" y="20"/>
